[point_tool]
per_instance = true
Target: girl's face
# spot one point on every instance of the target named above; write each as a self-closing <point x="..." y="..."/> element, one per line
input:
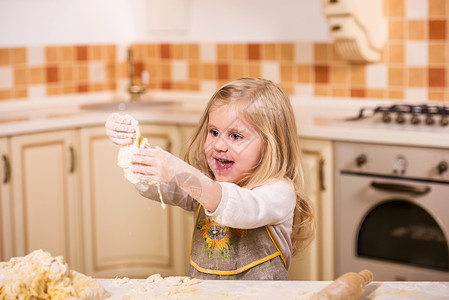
<point x="233" y="147"/>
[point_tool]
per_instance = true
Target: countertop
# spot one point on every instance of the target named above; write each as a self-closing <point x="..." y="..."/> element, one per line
<point x="173" y="288"/>
<point x="318" y="118"/>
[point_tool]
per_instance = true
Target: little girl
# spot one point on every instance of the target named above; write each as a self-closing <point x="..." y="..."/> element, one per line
<point x="242" y="177"/>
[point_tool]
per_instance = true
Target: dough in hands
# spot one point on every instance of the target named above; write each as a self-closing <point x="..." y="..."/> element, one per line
<point x="126" y="153"/>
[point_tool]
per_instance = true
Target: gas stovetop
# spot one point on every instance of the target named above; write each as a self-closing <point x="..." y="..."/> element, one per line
<point x="404" y="113"/>
<point x="423" y="117"/>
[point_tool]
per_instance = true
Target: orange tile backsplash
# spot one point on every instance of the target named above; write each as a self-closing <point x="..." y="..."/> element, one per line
<point x="395" y="8"/>
<point x="437" y="8"/>
<point x="417" y="30"/>
<point x="414" y="62"/>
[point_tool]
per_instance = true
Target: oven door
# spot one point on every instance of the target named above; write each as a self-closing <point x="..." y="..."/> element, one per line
<point x="397" y="228"/>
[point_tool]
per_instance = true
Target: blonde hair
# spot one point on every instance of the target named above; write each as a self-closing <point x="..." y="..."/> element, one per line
<point x="268" y="109"/>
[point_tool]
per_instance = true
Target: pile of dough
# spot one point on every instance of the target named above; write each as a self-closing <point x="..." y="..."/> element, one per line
<point x="38" y="275"/>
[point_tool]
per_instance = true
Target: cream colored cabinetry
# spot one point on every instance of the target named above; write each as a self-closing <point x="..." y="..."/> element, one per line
<point x="317" y="263"/>
<point x="124" y="233"/>
<point x="65" y="194"/>
<point x="5" y="212"/>
<point x="43" y="200"/>
<point x="187" y="132"/>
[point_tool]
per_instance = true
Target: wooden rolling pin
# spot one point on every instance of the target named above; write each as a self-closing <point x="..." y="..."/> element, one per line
<point x="349" y="286"/>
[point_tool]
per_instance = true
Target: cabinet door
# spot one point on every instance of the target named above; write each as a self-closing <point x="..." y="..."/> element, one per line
<point x="317" y="262"/>
<point x="5" y="209"/>
<point x="126" y="234"/>
<point x="44" y="194"/>
<point x="187" y="132"/>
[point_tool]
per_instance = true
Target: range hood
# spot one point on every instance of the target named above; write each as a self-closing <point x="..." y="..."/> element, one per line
<point x="358" y="28"/>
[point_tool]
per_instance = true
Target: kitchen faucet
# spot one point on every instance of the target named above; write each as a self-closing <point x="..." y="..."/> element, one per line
<point x="135" y="89"/>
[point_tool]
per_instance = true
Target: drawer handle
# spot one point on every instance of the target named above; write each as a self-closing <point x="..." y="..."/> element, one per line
<point x="336" y="28"/>
<point x="7" y="170"/>
<point x="72" y="160"/>
<point x="321" y="174"/>
<point x="403" y="188"/>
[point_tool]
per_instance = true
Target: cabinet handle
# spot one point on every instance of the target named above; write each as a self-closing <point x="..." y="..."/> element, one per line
<point x="7" y="170"/>
<point x="321" y="174"/>
<point x="72" y="160"/>
<point x="336" y="28"/>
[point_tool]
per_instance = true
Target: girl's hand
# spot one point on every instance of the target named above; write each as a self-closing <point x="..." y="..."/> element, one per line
<point x="120" y="129"/>
<point x="155" y="164"/>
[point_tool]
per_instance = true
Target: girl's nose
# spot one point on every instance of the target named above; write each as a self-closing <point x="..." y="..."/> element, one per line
<point x="220" y="144"/>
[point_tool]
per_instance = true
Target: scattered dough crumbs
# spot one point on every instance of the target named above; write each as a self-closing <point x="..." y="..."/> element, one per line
<point x="153" y="287"/>
<point x="38" y="275"/>
<point x="126" y="153"/>
<point x="120" y="281"/>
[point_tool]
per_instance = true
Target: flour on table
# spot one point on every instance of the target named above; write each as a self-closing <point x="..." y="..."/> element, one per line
<point x="179" y="281"/>
<point x="38" y="275"/>
<point x="158" y="287"/>
<point x="126" y="153"/>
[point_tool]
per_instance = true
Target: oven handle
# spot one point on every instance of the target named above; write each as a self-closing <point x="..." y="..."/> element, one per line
<point x="404" y="188"/>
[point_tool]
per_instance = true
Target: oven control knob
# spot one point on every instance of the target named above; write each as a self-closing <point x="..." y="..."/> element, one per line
<point x="442" y="167"/>
<point x="399" y="165"/>
<point x="386" y="118"/>
<point x="444" y="121"/>
<point x="430" y="120"/>
<point x="400" y="119"/>
<point x="415" y="119"/>
<point x="360" y="160"/>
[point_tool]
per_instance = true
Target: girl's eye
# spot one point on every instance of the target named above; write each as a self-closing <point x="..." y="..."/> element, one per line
<point x="236" y="136"/>
<point x="214" y="132"/>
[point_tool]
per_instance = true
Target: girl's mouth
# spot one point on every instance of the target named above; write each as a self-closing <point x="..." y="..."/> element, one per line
<point x="223" y="165"/>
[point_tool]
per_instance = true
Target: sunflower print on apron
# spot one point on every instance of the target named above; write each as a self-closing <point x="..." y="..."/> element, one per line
<point x="221" y="252"/>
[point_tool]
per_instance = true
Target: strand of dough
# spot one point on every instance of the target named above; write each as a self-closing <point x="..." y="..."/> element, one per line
<point x="158" y="184"/>
<point x="125" y="157"/>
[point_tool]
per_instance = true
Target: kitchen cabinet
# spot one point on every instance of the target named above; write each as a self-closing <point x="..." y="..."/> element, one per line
<point x="317" y="263"/>
<point x="66" y="195"/>
<point x="5" y="220"/>
<point x="41" y="206"/>
<point x="125" y="234"/>
<point x="187" y="132"/>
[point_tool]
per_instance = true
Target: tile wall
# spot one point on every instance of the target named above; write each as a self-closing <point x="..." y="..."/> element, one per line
<point x="414" y="65"/>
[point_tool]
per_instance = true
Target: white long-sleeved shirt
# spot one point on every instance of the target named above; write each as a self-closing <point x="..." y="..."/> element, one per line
<point x="272" y="204"/>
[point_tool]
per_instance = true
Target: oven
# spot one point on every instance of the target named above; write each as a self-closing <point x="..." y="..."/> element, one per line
<point x="392" y="211"/>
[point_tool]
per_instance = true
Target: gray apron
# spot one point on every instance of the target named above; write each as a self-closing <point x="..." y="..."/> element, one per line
<point x="221" y="252"/>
